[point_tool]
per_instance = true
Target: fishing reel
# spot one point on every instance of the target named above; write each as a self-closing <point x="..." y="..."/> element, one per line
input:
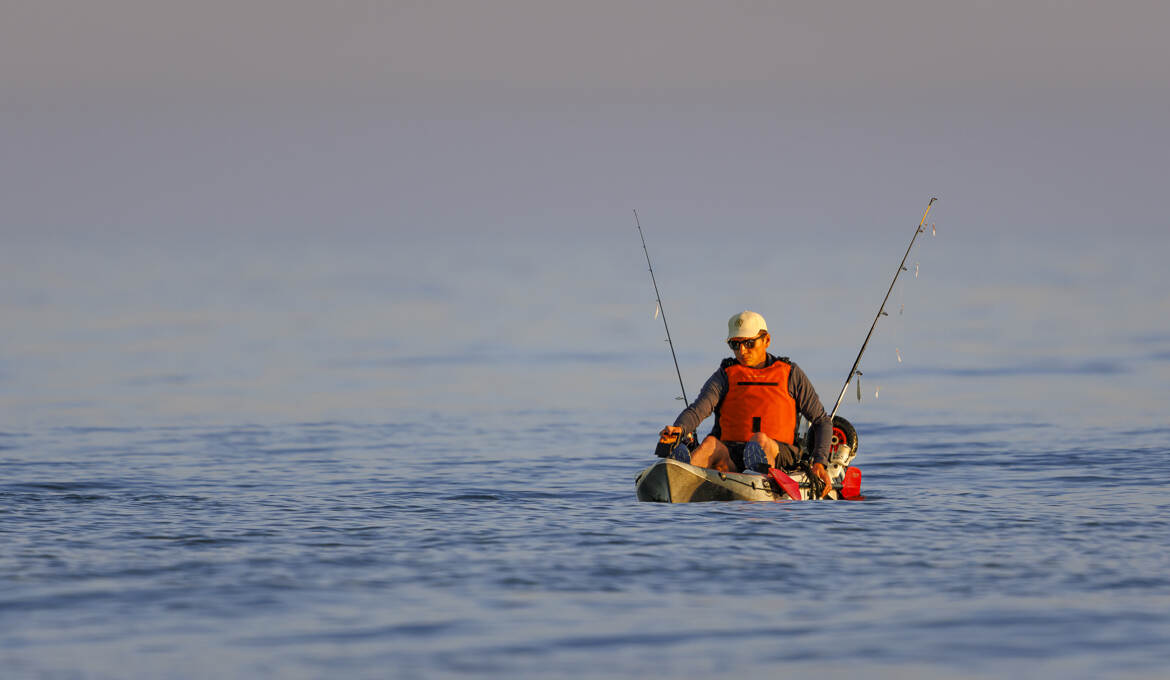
<point x="842" y="449"/>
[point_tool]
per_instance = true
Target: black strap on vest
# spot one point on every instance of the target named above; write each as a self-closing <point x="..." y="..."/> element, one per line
<point x="729" y="361"/>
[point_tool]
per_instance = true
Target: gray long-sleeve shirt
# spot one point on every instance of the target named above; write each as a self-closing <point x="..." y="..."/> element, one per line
<point x="800" y="387"/>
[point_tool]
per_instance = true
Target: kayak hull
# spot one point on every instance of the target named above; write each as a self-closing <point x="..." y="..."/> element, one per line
<point x="671" y="481"/>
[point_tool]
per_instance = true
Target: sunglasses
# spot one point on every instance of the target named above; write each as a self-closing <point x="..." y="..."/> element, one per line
<point x="747" y="344"/>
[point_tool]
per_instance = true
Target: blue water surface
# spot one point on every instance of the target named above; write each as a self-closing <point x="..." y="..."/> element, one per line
<point x="327" y="462"/>
<point x="464" y="548"/>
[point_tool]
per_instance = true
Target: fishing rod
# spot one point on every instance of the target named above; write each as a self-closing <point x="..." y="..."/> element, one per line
<point x="881" y="310"/>
<point x="661" y="310"/>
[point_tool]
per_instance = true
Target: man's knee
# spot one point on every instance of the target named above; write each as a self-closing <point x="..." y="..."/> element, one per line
<point x="711" y="453"/>
<point x="702" y="454"/>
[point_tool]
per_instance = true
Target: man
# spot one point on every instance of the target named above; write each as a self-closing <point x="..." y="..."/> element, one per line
<point x="755" y="398"/>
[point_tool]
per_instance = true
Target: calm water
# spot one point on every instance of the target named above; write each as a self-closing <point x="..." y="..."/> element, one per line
<point x="217" y="470"/>
<point x="314" y="550"/>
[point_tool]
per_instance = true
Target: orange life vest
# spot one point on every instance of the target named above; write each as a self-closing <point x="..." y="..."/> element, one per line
<point x="757" y="400"/>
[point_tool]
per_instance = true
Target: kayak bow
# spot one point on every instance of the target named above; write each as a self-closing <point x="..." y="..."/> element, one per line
<point x="670" y="481"/>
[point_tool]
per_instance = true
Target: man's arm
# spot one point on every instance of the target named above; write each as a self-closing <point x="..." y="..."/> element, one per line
<point x="809" y="405"/>
<point x="709" y="397"/>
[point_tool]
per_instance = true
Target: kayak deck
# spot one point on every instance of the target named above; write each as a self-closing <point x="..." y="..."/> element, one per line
<point x="670" y="481"/>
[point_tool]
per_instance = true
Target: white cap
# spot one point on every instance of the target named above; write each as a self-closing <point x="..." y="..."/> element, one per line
<point x="745" y="325"/>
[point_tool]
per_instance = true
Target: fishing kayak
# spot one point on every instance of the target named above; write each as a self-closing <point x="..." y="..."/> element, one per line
<point x="672" y="481"/>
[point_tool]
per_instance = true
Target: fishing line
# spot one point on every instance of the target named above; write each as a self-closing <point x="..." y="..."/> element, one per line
<point x="882" y="310"/>
<point x="659" y="309"/>
<point x="899" y="329"/>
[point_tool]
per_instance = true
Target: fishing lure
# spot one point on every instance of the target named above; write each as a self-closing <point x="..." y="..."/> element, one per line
<point x="882" y="310"/>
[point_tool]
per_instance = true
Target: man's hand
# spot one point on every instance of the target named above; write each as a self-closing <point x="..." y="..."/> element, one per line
<point x="823" y="475"/>
<point x="667" y="439"/>
<point x="669" y="435"/>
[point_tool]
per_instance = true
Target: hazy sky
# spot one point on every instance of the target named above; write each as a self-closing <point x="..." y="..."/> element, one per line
<point x="62" y="46"/>
<point x="374" y="117"/>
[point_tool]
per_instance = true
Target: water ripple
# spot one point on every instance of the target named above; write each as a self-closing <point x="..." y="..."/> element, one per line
<point x="336" y="547"/>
